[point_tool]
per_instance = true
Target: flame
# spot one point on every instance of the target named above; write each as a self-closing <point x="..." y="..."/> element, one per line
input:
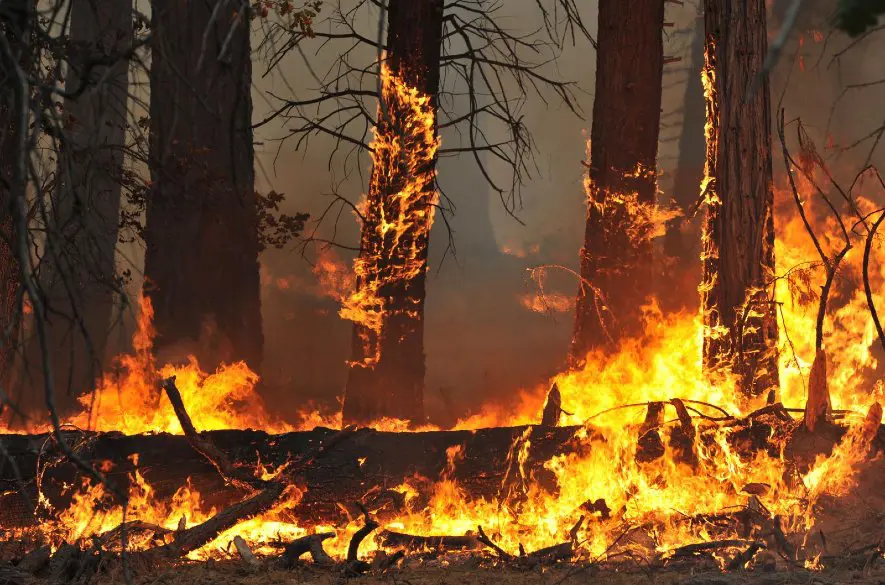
<point x="396" y="225"/>
<point x="664" y="499"/>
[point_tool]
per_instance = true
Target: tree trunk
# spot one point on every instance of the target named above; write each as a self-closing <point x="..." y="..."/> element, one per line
<point x="201" y="237"/>
<point x="15" y="23"/>
<point x="386" y="376"/>
<point x="79" y="278"/>
<point x="738" y="243"/>
<point x="681" y="243"/>
<point x="616" y="258"/>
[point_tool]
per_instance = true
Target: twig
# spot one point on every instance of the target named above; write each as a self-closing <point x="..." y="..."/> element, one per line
<point x="369" y="525"/>
<point x="868" y="246"/>
<point x="503" y="554"/>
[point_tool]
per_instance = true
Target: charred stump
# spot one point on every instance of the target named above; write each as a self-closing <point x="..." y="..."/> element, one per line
<point x="738" y="240"/>
<point x="386" y="375"/>
<point x="621" y="185"/>
<point x="201" y="234"/>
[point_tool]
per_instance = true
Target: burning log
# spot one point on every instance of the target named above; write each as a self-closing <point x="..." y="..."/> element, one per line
<point x="359" y="466"/>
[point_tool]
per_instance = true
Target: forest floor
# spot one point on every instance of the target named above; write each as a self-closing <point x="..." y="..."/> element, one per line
<point x="235" y="573"/>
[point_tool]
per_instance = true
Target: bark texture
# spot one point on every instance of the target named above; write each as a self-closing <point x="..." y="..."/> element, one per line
<point x="738" y="242"/>
<point x="386" y="375"/>
<point x="202" y="246"/>
<point x="78" y="277"/>
<point x="15" y="23"/>
<point x="616" y="258"/>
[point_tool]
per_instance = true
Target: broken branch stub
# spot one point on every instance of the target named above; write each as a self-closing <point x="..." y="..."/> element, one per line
<point x="552" y="408"/>
<point x="817" y="407"/>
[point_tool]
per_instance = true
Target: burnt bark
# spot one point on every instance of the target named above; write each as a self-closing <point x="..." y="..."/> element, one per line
<point x="616" y="257"/>
<point x="201" y="234"/>
<point x="79" y="278"/>
<point x="681" y="242"/>
<point x="738" y="242"/>
<point x="386" y="375"/>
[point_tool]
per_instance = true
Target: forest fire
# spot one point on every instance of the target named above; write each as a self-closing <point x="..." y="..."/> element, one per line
<point x="742" y="432"/>
<point x="660" y="490"/>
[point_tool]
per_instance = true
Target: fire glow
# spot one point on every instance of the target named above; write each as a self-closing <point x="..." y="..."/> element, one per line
<point x="658" y="500"/>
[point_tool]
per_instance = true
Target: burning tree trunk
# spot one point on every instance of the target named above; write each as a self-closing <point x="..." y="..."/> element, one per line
<point x="14" y="24"/>
<point x="386" y="377"/>
<point x="78" y="276"/>
<point x="738" y="243"/>
<point x="621" y="186"/>
<point x="202" y="240"/>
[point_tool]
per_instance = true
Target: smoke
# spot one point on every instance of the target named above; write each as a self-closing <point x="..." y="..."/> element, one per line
<point x="483" y="341"/>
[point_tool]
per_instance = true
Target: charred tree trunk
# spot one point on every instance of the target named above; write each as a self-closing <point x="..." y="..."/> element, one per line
<point x="616" y="258"/>
<point x="386" y="376"/>
<point x="681" y="242"/>
<point x="78" y="277"/>
<point x="15" y="24"/>
<point x="201" y="261"/>
<point x="738" y="243"/>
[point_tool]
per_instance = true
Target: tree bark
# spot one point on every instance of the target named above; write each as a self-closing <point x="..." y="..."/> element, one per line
<point x="616" y="258"/>
<point x="681" y="243"/>
<point x="15" y="23"/>
<point x="738" y="242"/>
<point x="386" y="375"/>
<point x="201" y="236"/>
<point x="79" y="278"/>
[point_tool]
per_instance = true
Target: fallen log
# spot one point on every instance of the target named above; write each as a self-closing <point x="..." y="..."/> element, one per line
<point x="366" y="467"/>
<point x="367" y="462"/>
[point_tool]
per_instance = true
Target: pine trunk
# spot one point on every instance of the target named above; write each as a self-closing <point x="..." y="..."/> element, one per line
<point x="738" y="242"/>
<point x="15" y="21"/>
<point x="616" y="258"/>
<point x="386" y="376"/>
<point x="78" y="277"/>
<point x="201" y="237"/>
